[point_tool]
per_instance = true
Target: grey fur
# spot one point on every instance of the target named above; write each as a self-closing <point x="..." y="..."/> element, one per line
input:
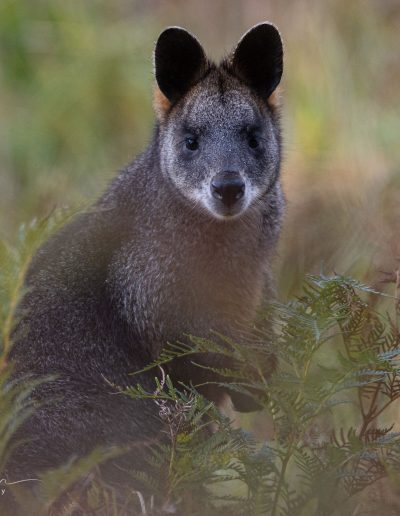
<point x="154" y="259"/>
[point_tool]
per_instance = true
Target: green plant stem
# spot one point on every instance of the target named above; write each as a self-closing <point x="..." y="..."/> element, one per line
<point x="281" y="479"/>
<point x="371" y="414"/>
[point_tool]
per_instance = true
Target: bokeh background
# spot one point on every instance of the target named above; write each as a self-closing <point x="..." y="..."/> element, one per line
<point x="75" y="106"/>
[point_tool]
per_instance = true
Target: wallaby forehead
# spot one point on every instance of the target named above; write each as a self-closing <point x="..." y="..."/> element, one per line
<point x="208" y="108"/>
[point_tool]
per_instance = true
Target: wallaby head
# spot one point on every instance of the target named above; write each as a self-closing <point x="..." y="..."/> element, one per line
<point x="219" y="124"/>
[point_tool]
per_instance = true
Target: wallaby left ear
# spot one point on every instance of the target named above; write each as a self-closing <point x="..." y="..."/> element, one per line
<point x="258" y="59"/>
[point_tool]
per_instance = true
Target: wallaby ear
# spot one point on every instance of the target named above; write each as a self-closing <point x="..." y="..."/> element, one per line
<point x="179" y="62"/>
<point x="258" y="59"/>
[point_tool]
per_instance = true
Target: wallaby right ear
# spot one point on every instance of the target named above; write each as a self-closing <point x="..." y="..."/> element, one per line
<point x="258" y="59"/>
<point x="179" y="62"/>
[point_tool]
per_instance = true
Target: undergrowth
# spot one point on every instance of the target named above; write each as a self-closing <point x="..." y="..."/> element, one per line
<point x="331" y="400"/>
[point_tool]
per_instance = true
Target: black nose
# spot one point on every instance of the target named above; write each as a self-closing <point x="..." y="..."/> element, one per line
<point x="227" y="187"/>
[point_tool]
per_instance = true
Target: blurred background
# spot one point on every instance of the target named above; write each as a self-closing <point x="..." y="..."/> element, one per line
<point x="75" y="106"/>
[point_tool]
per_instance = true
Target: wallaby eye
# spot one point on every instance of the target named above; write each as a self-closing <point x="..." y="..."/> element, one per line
<point x="253" y="142"/>
<point x="191" y="144"/>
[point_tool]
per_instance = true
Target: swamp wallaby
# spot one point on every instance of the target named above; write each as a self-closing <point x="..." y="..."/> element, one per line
<point x="180" y="243"/>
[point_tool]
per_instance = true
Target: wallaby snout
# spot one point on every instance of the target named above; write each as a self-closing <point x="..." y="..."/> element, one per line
<point x="228" y="187"/>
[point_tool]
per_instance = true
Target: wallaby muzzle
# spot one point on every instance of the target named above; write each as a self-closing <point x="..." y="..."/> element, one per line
<point x="227" y="187"/>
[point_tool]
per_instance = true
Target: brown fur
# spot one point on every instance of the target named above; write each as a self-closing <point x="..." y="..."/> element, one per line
<point x="160" y="103"/>
<point x="156" y="259"/>
<point x="274" y="100"/>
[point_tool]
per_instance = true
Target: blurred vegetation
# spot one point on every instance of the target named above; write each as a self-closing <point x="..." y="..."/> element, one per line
<point x="75" y="105"/>
<point x="330" y="403"/>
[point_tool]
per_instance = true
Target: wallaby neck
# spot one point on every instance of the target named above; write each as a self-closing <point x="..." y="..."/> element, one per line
<point x="191" y="271"/>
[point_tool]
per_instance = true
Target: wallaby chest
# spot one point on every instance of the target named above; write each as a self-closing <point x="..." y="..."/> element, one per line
<point x="185" y="276"/>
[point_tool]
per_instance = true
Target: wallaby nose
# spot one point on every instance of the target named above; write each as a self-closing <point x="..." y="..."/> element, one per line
<point x="228" y="187"/>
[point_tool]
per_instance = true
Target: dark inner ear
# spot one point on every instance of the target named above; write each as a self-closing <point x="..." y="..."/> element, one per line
<point x="258" y="59"/>
<point x="180" y="62"/>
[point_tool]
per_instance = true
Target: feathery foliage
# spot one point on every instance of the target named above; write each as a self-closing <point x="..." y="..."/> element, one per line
<point x="330" y="401"/>
<point x="338" y="360"/>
